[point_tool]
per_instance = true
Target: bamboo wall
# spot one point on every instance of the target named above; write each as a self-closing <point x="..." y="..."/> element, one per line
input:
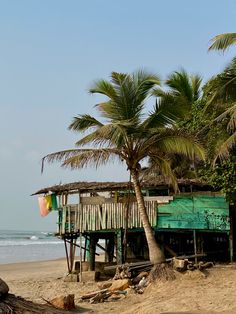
<point x="82" y="217"/>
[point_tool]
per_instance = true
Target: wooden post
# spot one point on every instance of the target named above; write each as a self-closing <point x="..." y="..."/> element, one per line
<point x="92" y="251"/>
<point x="231" y="232"/>
<point x="106" y="252"/>
<point x="71" y="254"/>
<point x="231" y="242"/>
<point x="80" y="266"/>
<point x="67" y="257"/>
<point x="119" y="247"/>
<point x="109" y="254"/>
<point x="195" y="244"/>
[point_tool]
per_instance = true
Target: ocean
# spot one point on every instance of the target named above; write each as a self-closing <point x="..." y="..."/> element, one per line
<point x="27" y="246"/>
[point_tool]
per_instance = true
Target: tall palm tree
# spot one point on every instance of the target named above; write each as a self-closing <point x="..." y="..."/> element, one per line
<point x="223" y="41"/>
<point x="127" y="133"/>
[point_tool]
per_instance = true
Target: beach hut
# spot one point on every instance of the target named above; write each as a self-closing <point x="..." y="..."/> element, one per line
<point x="105" y="215"/>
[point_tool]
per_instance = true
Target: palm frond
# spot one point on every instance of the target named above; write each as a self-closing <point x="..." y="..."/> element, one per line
<point x="223" y="41"/>
<point x="105" y="88"/>
<point x="80" y="158"/>
<point x="180" y="84"/>
<point x="131" y="90"/>
<point x="230" y="112"/>
<point x="84" y="122"/>
<point x="224" y="149"/>
<point x="179" y="143"/>
<point x="196" y="81"/>
<point x="111" y="135"/>
<point x="164" y="168"/>
<point x="166" y="112"/>
<point x="222" y="88"/>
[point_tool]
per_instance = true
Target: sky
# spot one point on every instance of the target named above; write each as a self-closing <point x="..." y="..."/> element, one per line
<point x="50" y="54"/>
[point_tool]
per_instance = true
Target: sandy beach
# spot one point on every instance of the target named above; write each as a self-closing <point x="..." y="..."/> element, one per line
<point x="190" y="293"/>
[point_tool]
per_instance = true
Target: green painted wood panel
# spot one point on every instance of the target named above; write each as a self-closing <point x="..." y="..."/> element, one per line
<point x="195" y="212"/>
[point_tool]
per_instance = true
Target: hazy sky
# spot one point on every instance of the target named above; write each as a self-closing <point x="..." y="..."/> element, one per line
<point x="50" y="53"/>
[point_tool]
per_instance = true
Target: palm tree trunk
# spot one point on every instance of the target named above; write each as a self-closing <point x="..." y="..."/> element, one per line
<point x="156" y="255"/>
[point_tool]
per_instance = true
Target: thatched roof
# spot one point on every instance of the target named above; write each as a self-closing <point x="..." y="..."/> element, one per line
<point x="87" y="187"/>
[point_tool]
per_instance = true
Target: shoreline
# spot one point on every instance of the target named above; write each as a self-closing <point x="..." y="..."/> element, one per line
<point x="56" y="268"/>
<point x="32" y="262"/>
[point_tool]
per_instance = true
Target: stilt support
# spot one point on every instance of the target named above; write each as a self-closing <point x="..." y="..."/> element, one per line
<point x="119" y="247"/>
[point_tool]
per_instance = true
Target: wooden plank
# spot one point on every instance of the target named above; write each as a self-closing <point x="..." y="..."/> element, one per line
<point x="104" y="214"/>
<point x="63" y="220"/>
<point x="94" y="217"/>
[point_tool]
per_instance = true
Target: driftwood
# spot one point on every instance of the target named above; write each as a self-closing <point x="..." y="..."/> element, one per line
<point x="12" y="304"/>
<point x="100" y="297"/>
<point x="92" y="294"/>
<point x="118" y="288"/>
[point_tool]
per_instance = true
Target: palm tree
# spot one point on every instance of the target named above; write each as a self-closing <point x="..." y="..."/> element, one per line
<point x="223" y="41"/>
<point x="130" y="135"/>
<point x="185" y="93"/>
<point x="221" y="92"/>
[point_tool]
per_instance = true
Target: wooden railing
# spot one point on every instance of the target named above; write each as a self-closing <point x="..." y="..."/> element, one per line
<point x="107" y="216"/>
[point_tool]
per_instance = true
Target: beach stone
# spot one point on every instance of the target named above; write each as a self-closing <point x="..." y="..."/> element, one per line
<point x="120" y="284"/>
<point x="64" y="302"/>
<point x="3" y="288"/>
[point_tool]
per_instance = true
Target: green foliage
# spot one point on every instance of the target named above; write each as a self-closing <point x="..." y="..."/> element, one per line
<point x="222" y="177"/>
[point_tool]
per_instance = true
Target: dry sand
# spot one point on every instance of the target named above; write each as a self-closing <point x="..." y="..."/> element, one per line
<point x="193" y="293"/>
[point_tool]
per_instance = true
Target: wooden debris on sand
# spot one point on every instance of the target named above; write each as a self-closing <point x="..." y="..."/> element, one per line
<point x="118" y="287"/>
<point x="182" y="265"/>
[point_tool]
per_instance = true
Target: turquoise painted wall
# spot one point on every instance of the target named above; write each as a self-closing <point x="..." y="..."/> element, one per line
<point x="195" y="212"/>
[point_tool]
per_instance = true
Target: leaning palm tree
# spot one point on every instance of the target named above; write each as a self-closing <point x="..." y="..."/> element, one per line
<point x="223" y="41"/>
<point x="127" y="133"/>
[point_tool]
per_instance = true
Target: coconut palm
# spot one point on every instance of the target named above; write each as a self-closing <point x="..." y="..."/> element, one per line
<point x="183" y="90"/>
<point x="223" y="41"/>
<point x="221" y="92"/>
<point x="127" y="133"/>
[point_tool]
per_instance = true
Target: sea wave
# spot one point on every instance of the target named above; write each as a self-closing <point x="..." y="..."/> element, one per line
<point x="24" y="243"/>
